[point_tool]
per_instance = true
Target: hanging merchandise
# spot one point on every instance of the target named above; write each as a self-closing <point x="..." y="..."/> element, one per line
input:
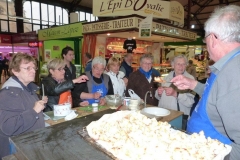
<point x="130" y="45"/>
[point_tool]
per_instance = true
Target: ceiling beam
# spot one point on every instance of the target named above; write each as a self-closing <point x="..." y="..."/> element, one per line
<point x="204" y="13"/>
<point x="73" y="5"/>
<point x="196" y="2"/>
<point x="199" y="10"/>
<point x="193" y="3"/>
<point x="203" y="6"/>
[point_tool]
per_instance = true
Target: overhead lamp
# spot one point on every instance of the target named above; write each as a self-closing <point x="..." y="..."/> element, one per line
<point x="108" y="34"/>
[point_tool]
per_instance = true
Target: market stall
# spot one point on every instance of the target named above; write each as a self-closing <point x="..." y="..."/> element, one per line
<point x="55" y="39"/>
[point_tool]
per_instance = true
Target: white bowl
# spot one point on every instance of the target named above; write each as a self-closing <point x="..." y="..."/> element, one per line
<point x="156" y="111"/>
<point x="61" y="109"/>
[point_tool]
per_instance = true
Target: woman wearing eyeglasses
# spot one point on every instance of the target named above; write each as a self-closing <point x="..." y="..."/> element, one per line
<point x="97" y="87"/>
<point x="141" y="81"/>
<point x="20" y="107"/>
<point x="56" y="87"/>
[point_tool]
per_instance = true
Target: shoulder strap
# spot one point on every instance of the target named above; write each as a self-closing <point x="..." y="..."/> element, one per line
<point x="105" y="80"/>
<point x="89" y="83"/>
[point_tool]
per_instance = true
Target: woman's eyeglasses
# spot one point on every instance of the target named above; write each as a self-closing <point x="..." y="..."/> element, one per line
<point x="30" y="68"/>
<point x="60" y="69"/>
<point x="98" y="69"/>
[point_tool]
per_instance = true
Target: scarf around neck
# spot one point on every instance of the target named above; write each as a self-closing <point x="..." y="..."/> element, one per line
<point x="146" y="74"/>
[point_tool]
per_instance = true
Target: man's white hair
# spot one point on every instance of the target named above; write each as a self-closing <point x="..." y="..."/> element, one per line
<point x="224" y="23"/>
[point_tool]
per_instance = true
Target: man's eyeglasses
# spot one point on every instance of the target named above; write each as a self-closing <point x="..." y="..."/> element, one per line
<point x="30" y="68"/>
<point x="204" y="39"/>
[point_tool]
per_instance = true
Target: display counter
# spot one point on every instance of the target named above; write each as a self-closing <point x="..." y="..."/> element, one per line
<point x="61" y="140"/>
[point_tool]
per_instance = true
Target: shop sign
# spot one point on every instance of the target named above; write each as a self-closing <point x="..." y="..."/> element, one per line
<point x="159" y="9"/>
<point x="124" y="23"/>
<point x="33" y="44"/>
<point x="159" y="28"/>
<point x="5" y="39"/>
<point x="145" y="27"/>
<point x="66" y="31"/>
<point x="177" y="13"/>
<point x="24" y="37"/>
<point x="133" y="22"/>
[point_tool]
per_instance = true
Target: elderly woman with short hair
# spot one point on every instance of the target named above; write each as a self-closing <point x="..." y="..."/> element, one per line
<point x="98" y="86"/>
<point x="57" y="88"/>
<point x="141" y="80"/>
<point x="20" y="107"/>
<point x="172" y="98"/>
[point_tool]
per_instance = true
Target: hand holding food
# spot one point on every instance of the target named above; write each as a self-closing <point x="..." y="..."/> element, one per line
<point x="182" y="82"/>
<point x="159" y="80"/>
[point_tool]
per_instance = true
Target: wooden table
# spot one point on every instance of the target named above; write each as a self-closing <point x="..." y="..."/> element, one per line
<point x="61" y="140"/>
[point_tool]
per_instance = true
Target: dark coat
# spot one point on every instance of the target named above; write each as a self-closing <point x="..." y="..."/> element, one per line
<point x="140" y="85"/>
<point x="68" y="74"/>
<point x="53" y="89"/>
<point x="128" y="69"/>
<point x="16" y="112"/>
